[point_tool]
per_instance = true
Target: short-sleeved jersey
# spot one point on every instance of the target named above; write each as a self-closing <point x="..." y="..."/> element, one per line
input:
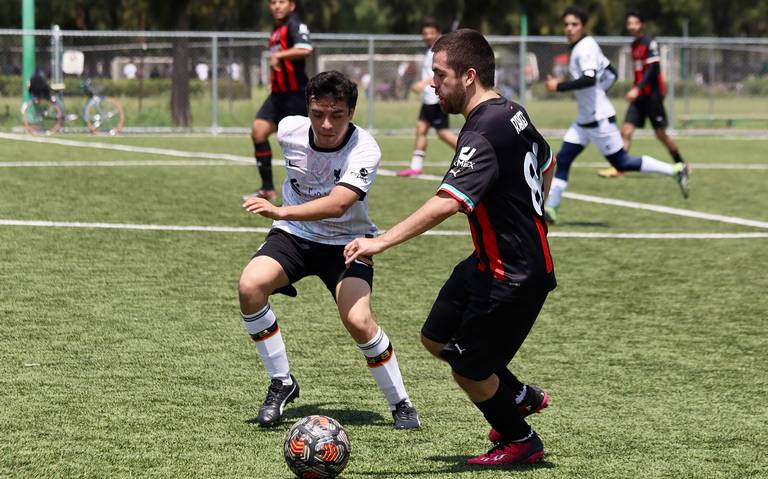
<point x="312" y="172"/>
<point x="429" y="97"/>
<point x="497" y="176"/>
<point x="645" y="52"/>
<point x="587" y="59"/>
<point x="292" y="76"/>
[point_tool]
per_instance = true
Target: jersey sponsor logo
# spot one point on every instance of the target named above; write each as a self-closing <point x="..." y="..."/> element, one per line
<point x="296" y="187"/>
<point x="462" y="161"/>
<point x="362" y="174"/>
<point x="519" y="122"/>
<point x="291" y="164"/>
<point x="303" y="29"/>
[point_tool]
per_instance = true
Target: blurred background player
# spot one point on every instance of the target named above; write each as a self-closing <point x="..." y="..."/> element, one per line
<point x="430" y="114"/>
<point x="499" y="178"/>
<point x="646" y="97"/>
<point x="596" y="119"/>
<point x="289" y="45"/>
<point x="330" y="167"/>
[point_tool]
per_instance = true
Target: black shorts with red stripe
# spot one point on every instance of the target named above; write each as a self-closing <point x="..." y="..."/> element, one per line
<point x="481" y="333"/>
<point x="279" y="105"/>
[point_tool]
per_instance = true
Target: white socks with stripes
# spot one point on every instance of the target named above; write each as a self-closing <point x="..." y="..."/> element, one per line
<point x="383" y="366"/>
<point x="263" y="328"/>
<point x="650" y="164"/>
<point x="417" y="160"/>
<point x="556" y="192"/>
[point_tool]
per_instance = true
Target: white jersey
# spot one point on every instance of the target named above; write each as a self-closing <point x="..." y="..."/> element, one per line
<point x="312" y="173"/>
<point x="587" y="59"/>
<point x="429" y="97"/>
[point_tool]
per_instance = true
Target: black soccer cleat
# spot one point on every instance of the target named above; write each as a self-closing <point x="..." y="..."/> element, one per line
<point x="534" y="401"/>
<point x="405" y="416"/>
<point x="681" y="176"/>
<point x="278" y="395"/>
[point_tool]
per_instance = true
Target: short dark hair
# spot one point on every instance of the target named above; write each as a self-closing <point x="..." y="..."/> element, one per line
<point x="577" y="12"/>
<point x="467" y="48"/>
<point x="332" y="84"/>
<point x="430" y="22"/>
<point x="634" y="13"/>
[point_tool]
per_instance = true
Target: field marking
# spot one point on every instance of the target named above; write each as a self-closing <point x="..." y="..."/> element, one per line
<point x="264" y="230"/>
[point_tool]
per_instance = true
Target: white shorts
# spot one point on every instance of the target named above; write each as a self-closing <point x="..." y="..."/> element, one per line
<point x="605" y="136"/>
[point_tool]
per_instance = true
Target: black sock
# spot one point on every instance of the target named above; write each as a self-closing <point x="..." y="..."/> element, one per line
<point x="506" y="376"/>
<point x="263" y="154"/>
<point x="501" y="413"/>
<point x="676" y="156"/>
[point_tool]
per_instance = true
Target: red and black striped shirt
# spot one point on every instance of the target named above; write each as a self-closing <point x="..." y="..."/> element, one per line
<point x="292" y="76"/>
<point x="646" y="60"/>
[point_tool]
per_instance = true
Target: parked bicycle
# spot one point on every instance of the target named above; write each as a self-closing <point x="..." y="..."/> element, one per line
<point x="45" y="113"/>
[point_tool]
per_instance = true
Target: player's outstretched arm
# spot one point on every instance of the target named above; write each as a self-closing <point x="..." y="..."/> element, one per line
<point x="332" y="206"/>
<point x="429" y="215"/>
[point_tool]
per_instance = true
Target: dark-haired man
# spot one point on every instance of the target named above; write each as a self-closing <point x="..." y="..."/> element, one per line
<point x="499" y="178"/>
<point x="289" y="45"/>
<point x="596" y="119"/>
<point x="430" y="114"/>
<point x="646" y="97"/>
<point x="331" y="165"/>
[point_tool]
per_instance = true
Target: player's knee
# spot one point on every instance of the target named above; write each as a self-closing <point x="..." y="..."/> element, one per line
<point x="623" y="161"/>
<point x="253" y="292"/>
<point x="358" y="320"/>
<point x="565" y="157"/>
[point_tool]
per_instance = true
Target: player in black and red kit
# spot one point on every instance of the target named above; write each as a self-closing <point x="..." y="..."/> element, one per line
<point x="646" y="97"/>
<point x="289" y="45"/>
<point x="499" y="178"/>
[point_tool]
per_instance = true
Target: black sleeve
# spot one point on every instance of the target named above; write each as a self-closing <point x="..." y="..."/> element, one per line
<point x="298" y="34"/>
<point x="651" y="72"/>
<point x="473" y="171"/>
<point x="585" y="81"/>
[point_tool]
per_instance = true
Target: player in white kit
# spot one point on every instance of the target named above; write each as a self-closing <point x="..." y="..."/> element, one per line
<point x="430" y="114"/>
<point x="596" y="120"/>
<point x="330" y="167"/>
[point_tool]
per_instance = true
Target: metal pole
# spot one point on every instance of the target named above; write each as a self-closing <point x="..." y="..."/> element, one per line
<point x="215" y="84"/>
<point x="371" y="82"/>
<point x="686" y="63"/>
<point x="28" y="46"/>
<point x="523" y="57"/>
<point x="56" y="74"/>
<point x="672" y="79"/>
<point x="711" y="79"/>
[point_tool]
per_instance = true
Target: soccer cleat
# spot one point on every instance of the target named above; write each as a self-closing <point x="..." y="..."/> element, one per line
<point x="550" y="214"/>
<point x="681" y="172"/>
<point x="269" y="195"/>
<point x="405" y="416"/>
<point x="409" y="172"/>
<point x="610" y="172"/>
<point x="529" y="451"/>
<point x="278" y="395"/>
<point x="534" y="401"/>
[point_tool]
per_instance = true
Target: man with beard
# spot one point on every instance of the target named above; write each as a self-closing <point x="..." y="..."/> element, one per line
<point x="499" y="178"/>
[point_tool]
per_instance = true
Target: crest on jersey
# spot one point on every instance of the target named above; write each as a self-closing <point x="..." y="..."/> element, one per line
<point x="336" y="175"/>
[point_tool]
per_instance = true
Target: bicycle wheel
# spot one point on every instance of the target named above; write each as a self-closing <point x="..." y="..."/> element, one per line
<point x="104" y="116"/>
<point x="41" y="116"/>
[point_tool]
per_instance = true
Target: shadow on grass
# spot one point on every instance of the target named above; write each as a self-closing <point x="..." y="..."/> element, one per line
<point x="344" y="416"/>
<point x="458" y="464"/>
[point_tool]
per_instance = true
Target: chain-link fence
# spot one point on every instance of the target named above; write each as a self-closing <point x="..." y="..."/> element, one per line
<point x="712" y="82"/>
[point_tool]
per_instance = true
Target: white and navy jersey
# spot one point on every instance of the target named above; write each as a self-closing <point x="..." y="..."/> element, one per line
<point x="429" y="97"/>
<point x="587" y="59"/>
<point x="497" y="177"/>
<point x="312" y="172"/>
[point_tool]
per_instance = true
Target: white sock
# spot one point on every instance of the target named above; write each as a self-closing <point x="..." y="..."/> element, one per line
<point x="556" y="192"/>
<point x="263" y="328"/>
<point x="650" y="164"/>
<point x="383" y="365"/>
<point x="417" y="160"/>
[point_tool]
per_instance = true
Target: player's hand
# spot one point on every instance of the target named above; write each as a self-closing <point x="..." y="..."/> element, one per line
<point x="551" y="83"/>
<point x="274" y="62"/>
<point x="632" y="94"/>
<point x="260" y="206"/>
<point x="362" y="247"/>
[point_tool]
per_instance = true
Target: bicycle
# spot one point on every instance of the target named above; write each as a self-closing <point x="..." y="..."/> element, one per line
<point x="46" y="113"/>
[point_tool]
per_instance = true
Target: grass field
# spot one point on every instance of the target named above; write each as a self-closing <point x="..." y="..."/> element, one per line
<point x="122" y="353"/>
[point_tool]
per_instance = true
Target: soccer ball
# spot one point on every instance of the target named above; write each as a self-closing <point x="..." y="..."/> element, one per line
<point x="316" y="447"/>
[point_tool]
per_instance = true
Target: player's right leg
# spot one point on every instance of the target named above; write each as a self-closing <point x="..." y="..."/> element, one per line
<point x="264" y="125"/>
<point x="574" y="141"/>
<point x="419" y="150"/>
<point x="448" y="136"/>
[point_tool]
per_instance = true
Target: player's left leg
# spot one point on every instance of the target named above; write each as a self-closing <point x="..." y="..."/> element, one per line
<point x="574" y="141"/>
<point x="419" y="150"/>
<point x="353" y="297"/>
<point x="448" y="136"/>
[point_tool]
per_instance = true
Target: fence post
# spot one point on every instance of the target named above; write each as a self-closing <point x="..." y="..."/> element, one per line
<point x="522" y="87"/>
<point x="215" y="84"/>
<point x="672" y="80"/>
<point x="711" y="79"/>
<point x="370" y="91"/>
<point x="56" y="75"/>
<point x="28" y="46"/>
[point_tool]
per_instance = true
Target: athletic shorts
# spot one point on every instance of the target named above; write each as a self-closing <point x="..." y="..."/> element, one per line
<point x="301" y="258"/>
<point x="647" y="106"/>
<point x="433" y="115"/>
<point x="279" y="105"/>
<point x="481" y="334"/>
<point x="603" y="133"/>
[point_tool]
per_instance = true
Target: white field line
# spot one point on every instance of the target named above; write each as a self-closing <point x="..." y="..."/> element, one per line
<point x="245" y="229"/>
<point x="101" y="163"/>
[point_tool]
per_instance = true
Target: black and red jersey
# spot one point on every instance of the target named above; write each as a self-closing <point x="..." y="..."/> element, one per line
<point x="292" y="76"/>
<point x="497" y="176"/>
<point x="646" y="59"/>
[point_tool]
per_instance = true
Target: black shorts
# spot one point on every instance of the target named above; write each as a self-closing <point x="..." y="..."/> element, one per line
<point x="279" y="105"/>
<point x="647" y="106"/>
<point x="301" y="258"/>
<point x="481" y="334"/>
<point x="433" y="115"/>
